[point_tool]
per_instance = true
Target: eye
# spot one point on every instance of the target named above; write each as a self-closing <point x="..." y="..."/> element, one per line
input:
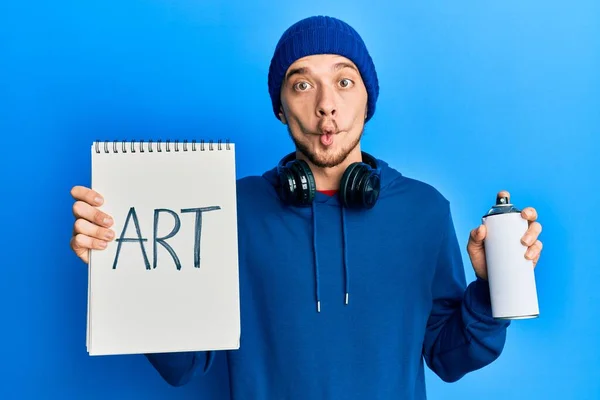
<point x="346" y="83"/>
<point x="301" y="86"/>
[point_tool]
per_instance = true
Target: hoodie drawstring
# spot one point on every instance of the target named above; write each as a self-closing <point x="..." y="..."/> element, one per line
<point x="317" y="288"/>
<point x="344" y="249"/>
<point x="316" y="257"/>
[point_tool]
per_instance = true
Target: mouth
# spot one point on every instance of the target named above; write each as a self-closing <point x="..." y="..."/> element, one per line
<point x="327" y="131"/>
<point x="327" y="137"/>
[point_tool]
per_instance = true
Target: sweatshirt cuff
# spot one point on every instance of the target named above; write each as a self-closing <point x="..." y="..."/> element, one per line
<point x="479" y="302"/>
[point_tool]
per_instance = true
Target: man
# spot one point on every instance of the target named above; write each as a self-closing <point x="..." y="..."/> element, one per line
<point x="351" y="275"/>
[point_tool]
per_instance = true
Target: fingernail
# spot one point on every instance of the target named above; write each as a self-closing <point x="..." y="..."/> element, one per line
<point x="102" y="244"/>
<point x="107" y="221"/>
<point x="527" y="240"/>
<point x="98" y="200"/>
<point x="109" y="235"/>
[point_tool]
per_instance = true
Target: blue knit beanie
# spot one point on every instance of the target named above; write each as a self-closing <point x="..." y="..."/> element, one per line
<point x="321" y="35"/>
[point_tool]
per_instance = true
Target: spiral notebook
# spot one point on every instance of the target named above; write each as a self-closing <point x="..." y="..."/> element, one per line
<point x="168" y="282"/>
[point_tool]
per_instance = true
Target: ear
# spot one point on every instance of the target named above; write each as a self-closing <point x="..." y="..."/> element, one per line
<point x="282" y="116"/>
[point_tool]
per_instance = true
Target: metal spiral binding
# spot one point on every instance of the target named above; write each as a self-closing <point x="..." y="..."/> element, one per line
<point x="123" y="146"/>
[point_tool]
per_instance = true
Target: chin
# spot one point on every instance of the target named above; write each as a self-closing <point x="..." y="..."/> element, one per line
<point x="325" y="159"/>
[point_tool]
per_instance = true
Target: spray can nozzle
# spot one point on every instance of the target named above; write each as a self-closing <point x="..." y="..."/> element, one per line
<point x="502" y="200"/>
<point x="502" y="206"/>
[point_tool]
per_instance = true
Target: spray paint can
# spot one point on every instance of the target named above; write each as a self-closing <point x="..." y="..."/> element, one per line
<point x="513" y="291"/>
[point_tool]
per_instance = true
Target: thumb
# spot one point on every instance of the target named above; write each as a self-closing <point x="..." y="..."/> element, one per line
<point x="477" y="235"/>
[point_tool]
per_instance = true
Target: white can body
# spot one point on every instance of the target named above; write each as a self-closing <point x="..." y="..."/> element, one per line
<point x="511" y="277"/>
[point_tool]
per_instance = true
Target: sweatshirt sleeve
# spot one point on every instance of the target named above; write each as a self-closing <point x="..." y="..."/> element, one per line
<point x="177" y="369"/>
<point x="461" y="334"/>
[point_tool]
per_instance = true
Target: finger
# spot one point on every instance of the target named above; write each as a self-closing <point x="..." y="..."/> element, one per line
<point x="87" y="195"/>
<point x="92" y="214"/>
<point x="477" y="235"/>
<point x="534" y="250"/>
<point x="503" y="193"/>
<point x="81" y="241"/>
<point x="534" y="230"/>
<point x="81" y="252"/>
<point x="529" y="213"/>
<point x="87" y="228"/>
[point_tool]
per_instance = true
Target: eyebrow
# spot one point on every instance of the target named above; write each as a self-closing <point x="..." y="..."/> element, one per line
<point x="342" y="65"/>
<point x="304" y="70"/>
<point x="292" y="72"/>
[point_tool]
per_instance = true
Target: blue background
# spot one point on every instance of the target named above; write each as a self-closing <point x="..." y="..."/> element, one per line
<point x="475" y="97"/>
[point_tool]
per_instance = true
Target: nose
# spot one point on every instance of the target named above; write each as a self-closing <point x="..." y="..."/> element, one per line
<point x="326" y="106"/>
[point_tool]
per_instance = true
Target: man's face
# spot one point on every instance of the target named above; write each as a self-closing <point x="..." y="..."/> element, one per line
<point x="324" y="103"/>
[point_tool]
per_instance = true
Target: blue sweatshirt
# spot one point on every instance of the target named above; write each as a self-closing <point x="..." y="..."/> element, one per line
<point x="390" y="284"/>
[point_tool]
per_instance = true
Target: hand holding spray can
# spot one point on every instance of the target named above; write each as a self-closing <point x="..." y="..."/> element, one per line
<point x="511" y="278"/>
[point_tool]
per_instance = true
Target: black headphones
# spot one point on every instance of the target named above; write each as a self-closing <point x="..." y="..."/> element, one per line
<point x="359" y="186"/>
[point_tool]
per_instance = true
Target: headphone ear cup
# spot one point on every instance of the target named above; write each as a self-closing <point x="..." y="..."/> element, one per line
<point x="359" y="187"/>
<point x="305" y="183"/>
<point x="287" y="185"/>
<point x="347" y="184"/>
<point x="369" y="189"/>
<point x="357" y="184"/>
